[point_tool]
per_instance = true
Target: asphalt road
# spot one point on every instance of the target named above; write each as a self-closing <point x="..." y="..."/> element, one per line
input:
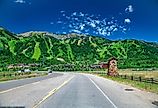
<point x="72" y="90"/>
<point x="15" y="83"/>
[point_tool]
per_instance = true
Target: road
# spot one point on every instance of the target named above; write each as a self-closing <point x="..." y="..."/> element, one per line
<point x="72" y="90"/>
<point x="16" y="83"/>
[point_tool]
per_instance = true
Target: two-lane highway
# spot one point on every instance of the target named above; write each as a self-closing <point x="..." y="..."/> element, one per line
<point x="72" y="90"/>
<point x="79" y="93"/>
<point x="16" y="83"/>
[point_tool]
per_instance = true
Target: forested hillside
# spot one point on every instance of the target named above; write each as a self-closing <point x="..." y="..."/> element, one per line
<point x="51" y="49"/>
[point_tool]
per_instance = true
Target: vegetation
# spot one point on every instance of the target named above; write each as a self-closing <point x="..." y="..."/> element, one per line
<point x="141" y="85"/>
<point x="77" y="51"/>
<point x="5" y="76"/>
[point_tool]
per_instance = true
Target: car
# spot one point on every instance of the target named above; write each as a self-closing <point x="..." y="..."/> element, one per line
<point x="49" y="71"/>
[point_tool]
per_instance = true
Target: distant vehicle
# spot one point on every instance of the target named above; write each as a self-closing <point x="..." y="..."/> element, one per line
<point x="19" y="71"/>
<point x="49" y="71"/>
<point x="27" y="70"/>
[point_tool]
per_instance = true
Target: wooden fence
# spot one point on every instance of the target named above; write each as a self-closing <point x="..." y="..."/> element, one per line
<point x="140" y="79"/>
<point x="14" y="74"/>
<point x="134" y="78"/>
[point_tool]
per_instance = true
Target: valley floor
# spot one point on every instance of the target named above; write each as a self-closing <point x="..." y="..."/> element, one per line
<point x="73" y="90"/>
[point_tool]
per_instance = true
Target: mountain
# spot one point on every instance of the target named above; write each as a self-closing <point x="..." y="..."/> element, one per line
<point x="80" y="50"/>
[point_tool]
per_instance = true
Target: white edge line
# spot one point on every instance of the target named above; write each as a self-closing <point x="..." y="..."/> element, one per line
<point x="5" y="91"/>
<point x="103" y="93"/>
<point x="36" y="82"/>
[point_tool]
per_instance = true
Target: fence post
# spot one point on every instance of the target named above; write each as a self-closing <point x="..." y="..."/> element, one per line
<point x="125" y="76"/>
<point x="140" y="79"/>
<point x="152" y="80"/>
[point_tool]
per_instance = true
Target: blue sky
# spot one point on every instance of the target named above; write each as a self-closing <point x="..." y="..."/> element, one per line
<point x="113" y="19"/>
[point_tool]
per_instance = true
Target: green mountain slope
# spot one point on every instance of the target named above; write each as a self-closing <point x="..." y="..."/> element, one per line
<point x="52" y="49"/>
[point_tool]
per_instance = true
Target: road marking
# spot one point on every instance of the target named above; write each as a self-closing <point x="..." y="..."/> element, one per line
<point x="36" y="82"/>
<point x="103" y="93"/>
<point x="5" y="91"/>
<point x="50" y="93"/>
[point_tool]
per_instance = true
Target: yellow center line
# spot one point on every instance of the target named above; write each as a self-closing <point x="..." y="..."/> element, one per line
<point x="51" y="93"/>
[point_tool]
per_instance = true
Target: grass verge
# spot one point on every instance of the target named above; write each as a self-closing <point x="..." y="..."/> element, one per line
<point x="15" y="75"/>
<point x="140" y="85"/>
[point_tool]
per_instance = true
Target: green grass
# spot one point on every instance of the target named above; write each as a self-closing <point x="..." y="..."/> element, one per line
<point x="140" y="85"/>
<point x="12" y="46"/>
<point x="37" y="52"/>
<point x="144" y="74"/>
<point x="19" y="75"/>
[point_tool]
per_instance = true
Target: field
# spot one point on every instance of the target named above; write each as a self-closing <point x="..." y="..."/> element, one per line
<point x="144" y="74"/>
<point x="138" y="84"/>
<point x="5" y="76"/>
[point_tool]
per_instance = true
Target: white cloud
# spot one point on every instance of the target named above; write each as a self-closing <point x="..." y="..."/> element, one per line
<point x="109" y="22"/>
<point x="127" y="20"/>
<point x="108" y="33"/>
<point x="92" y="16"/>
<point x="86" y="33"/>
<point x="76" y="19"/>
<point x="59" y="22"/>
<point x="97" y="21"/>
<point x="93" y="25"/>
<point x="70" y="25"/>
<point x="115" y="29"/>
<point x="51" y="23"/>
<point x="20" y="1"/>
<point x="124" y="29"/>
<point x="64" y="15"/>
<point x="86" y="30"/>
<point x="103" y="32"/>
<point x="64" y="32"/>
<point x="74" y="14"/>
<point x="67" y="17"/>
<point x="129" y="9"/>
<point x="76" y="31"/>
<point x="81" y="14"/>
<point x="79" y="23"/>
<point x="62" y="11"/>
<point x="82" y="26"/>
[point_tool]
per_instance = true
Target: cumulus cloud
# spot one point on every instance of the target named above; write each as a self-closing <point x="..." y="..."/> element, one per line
<point x="82" y="26"/>
<point x="67" y="17"/>
<point x="129" y="8"/>
<point x="81" y="14"/>
<point x="127" y="20"/>
<point x="97" y="21"/>
<point x="62" y="11"/>
<point x="51" y="22"/>
<point x="64" y="15"/>
<point x="74" y="14"/>
<point x="115" y="29"/>
<point x="64" y="32"/>
<point x="92" y="24"/>
<point x="20" y="1"/>
<point x="59" y="22"/>
<point x="76" y="31"/>
<point x="83" y="23"/>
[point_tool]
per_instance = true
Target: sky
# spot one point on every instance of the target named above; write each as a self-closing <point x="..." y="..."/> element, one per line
<point x="112" y="19"/>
